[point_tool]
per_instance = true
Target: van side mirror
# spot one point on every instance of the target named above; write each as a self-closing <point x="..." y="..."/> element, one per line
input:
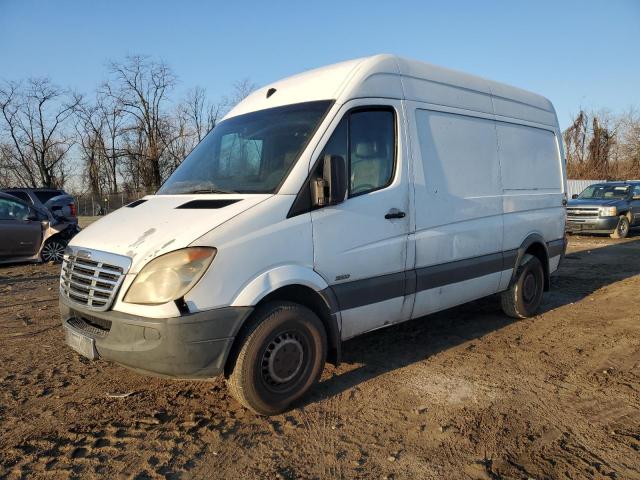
<point x="574" y="196"/>
<point x="331" y="188"/>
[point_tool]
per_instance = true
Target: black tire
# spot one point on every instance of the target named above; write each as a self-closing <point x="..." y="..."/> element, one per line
<point x="622" y="229"/>
<point x="524" y="297"/>
<point x="53" y="250"/>
<point x="281" y="357"/>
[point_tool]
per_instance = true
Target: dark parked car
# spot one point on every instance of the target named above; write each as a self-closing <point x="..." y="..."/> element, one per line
<point x="29" y="233"/>
<point x="611" y="207"/>
<point x="61" y="205"/>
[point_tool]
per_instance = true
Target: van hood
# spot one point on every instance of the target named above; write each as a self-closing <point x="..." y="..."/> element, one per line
<point x="159" y="224"/>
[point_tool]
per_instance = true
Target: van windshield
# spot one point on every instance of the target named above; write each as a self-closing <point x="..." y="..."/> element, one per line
<point x="614" y="192"/>
<point x="250" y="153"/>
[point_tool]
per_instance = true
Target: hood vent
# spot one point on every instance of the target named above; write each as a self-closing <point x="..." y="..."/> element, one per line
<point x="135" y="204"/>
<point x="208" y="204"/>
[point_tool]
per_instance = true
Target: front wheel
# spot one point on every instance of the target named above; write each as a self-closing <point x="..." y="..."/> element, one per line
<point x="524" y="297"/>
<point x="53" y="250"/>
<point x="622" y="229"/>
<point x="281" y="357"/>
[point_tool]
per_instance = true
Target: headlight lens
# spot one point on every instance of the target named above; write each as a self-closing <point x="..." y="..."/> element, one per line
<point x="170" y="276"/>
<point x="608" y="211"/>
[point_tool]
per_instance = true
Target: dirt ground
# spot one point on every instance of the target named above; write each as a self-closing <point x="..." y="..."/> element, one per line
<point x="467" y="393"/>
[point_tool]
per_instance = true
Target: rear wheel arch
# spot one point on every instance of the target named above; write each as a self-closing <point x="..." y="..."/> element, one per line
<point x="534" y="245"/>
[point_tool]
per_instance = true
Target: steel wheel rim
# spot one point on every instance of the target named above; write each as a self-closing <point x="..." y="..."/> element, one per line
<point x="529" y="288"/>
<point x="283" y="359"/>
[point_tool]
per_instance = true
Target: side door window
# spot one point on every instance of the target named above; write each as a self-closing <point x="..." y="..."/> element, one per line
<point x="366" y="140"/>
<point x="371" y="150"/>
<point x="10" y="210"/>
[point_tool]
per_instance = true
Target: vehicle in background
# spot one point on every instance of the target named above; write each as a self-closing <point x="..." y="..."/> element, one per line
<point x="609" y="207"/>
<point x="31" y="234"/>
<point x="61" y="205"/>
<point x="325" y="205"/>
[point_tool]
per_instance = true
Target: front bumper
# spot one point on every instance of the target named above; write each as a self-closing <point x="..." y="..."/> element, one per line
<point x="592" y="225"/>
<point x="190" y="346"/>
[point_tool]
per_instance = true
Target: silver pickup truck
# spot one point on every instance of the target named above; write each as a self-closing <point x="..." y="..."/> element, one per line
<point x="611" y="207"/>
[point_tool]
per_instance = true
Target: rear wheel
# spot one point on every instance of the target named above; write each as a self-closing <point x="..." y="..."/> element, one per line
<point x="53" y="250"/>
<point x="622" y="229"/>
<point x="281" y="357"/>
<point x="524" y="297"/>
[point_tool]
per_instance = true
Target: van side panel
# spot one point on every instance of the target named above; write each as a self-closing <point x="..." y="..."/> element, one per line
<point x="532" y="174"/>
<point x="458" y="209"/>
<point x="529" y="158"/>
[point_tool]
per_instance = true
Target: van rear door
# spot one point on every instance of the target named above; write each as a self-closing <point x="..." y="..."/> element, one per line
<point x="360" y="245"/>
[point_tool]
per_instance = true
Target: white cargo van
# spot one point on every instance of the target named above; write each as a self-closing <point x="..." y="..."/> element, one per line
<point x="325" y="205"/>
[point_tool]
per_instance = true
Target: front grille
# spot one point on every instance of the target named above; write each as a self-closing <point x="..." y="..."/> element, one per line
<point x="92" y="278"/>
<point x="578" y="214"/>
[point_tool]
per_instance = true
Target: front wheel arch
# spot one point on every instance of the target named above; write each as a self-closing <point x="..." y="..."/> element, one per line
<point x="322" y="303"/>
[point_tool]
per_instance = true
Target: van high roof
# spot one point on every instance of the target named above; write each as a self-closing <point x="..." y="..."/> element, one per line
<point x="393" y="76"/>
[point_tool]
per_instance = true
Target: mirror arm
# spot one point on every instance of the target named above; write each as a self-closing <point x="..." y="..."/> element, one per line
<point x="319" y="192"/>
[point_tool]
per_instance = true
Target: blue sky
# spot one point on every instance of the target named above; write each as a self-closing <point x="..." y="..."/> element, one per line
<point x="577" y="53"/>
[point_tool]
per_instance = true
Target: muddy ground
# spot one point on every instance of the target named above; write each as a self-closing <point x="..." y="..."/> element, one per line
<point x="467" y="393"/>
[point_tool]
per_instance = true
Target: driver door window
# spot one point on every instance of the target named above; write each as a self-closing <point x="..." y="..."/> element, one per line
<point x="366" y="140"/>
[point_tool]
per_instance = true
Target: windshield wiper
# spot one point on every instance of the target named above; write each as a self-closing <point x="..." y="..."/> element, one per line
<point x="210" y="190"/>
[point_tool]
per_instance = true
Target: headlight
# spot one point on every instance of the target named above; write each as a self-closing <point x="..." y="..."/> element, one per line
<point x="608" y="211"/>
<point x="170" y="276"/>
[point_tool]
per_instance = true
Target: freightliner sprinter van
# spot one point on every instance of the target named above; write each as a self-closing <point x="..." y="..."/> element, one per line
<point x="325" y="205"/>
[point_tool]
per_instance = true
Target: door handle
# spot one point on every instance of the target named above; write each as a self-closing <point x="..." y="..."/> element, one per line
<point x="394" y="213"/>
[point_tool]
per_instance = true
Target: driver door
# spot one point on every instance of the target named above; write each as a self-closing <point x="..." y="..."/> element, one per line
<point x="19" y="236"/>
<point x="360" y="245"/>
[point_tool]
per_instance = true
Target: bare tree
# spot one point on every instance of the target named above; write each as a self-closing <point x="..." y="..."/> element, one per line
<point x="630" y="143"/>
<point x="100" y="126"/>
<point x="600" y="148"/>
<point x="142" y="88"/>
<point x="241" y="90"/>
<point x="602" y="145"/>
<point x="201" y="114"/>
<point x="35" y="117"/>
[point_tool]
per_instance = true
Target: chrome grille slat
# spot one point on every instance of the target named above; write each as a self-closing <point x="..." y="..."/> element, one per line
<point x="582" y="212"/>
<point x="69" y="273"/>
<point x="92" y="278"/>
<point x="89" y="284"/>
